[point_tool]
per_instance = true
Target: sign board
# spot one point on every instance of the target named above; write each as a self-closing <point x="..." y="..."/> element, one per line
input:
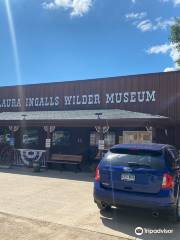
<point x="48" y="143"/>
<point x="89" y="99"/>
<point x="137" y="137"/>
<point x="101" y="145"/>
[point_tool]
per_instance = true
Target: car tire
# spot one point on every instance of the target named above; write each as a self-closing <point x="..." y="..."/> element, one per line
<point x="175" y="213"/>
<point x="103" y="206"/>
<point x="178" y="209"/>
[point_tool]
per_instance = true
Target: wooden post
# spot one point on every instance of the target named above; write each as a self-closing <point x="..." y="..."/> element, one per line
<point x="154" y="140"/>
<point x="48" y="137"/>
<point x="101" y="137"/>
<point x="48" y="130"/>
<point x="13" y="129"/>
<point x="101" y="129"/>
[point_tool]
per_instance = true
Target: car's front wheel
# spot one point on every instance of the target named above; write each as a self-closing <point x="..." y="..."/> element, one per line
<point x="103" y="206"/>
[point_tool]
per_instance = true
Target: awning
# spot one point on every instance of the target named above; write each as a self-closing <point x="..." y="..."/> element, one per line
<point x="72" y="117"/>
<point x="76" y="115"/>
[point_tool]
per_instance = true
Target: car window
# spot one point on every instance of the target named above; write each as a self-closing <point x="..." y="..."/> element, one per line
<point x="175" y="156"/>
<point x="139" y="159"/>
<point x="171" y="156"/>
<point x="174" y="153"/>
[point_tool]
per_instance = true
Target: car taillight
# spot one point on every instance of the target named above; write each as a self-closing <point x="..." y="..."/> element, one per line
<point x="168" y="181"/>
<point x="97" y="176"/>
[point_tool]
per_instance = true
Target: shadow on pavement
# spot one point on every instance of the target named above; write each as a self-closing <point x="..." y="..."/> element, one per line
<point x="69" y="175"/>
<point x="126" y="220"/>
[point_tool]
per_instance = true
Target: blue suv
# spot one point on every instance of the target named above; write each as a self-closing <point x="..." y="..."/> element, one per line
<point x="139" y="175"/>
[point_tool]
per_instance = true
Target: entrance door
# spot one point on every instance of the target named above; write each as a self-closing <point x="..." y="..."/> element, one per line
<point x="137" y="137"/>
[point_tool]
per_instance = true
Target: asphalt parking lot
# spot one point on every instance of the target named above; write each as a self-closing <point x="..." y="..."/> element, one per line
<point x="65" y="199"/>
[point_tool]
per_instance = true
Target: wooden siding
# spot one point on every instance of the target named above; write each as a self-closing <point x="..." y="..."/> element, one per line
<point x="166" y="85"/>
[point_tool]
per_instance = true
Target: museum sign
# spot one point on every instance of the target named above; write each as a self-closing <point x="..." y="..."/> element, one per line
<point x="147" y="96"/>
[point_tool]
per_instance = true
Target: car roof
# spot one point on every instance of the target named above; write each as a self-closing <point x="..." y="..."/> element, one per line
<point x="149" y="146"/>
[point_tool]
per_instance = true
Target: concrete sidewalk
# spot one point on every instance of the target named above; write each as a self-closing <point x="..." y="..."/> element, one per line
<point x="18" y="228"/>
<point x="63" y="201"/>
<point x="64" y="198"/>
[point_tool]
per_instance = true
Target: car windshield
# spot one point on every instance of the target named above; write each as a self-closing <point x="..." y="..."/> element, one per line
<point x="153" y="160"/>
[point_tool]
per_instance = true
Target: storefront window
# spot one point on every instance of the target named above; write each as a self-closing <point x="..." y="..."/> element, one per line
<point x="30" y="138"/>
<point x="61" y="138"/>
<point x="109" y="139"/>
<point x="5" y="136"/>
<point x="94" y="138"/>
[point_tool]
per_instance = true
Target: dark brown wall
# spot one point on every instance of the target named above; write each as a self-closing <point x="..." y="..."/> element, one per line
<point x="166" y="85"/>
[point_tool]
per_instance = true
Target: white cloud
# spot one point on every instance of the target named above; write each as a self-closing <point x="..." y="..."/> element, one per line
<point x="145" y="25"/>
<point x="77" y="7"/>
<point x="54" y="4"/>
<point x="174" y="68"/>
<point x="163" y="24"/>
<point x="80" y="7"/>
<point x="166" y="49"/>
<point x="158" y="23"/>
<point x="174" y="53"/>
<point x="175" y="2"/>
<point x="170" y="69"/>
<point x="133" y="15"/>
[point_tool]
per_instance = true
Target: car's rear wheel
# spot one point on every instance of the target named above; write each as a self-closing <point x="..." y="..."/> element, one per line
<point x="103" y="206"/>
<point x="175" y="213"/>
<point x="178" y="209"/>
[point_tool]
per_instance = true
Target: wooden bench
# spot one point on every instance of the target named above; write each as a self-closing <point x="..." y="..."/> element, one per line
<point x="66" y="159"/>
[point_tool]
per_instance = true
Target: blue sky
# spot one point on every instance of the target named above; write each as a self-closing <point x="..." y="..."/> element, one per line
<point x="61" y="40"/>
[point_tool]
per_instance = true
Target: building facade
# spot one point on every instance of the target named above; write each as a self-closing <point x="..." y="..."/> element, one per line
<point x="76" y="115"/>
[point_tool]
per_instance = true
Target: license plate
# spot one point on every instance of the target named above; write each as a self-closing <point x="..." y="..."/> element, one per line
<point x="127" y="177"/>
